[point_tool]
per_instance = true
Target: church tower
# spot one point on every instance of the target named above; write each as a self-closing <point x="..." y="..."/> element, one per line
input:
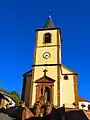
<point x="48" y="78"/>
<point x="47" y="58"/>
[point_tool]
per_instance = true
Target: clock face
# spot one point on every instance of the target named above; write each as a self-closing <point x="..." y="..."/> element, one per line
<point x="46" y="55"/>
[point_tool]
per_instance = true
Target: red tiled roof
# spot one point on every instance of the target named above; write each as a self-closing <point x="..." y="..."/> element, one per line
<point x="82" y="99"/>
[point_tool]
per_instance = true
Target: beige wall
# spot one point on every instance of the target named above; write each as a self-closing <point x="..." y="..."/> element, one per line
<point x="34" y="94"/>
<point x="66" y="70"/>
<point x="52" y="73"/>
<point x="40" y="37"/>
<point x="68" y="95"/>
<point x="42" y="50"/>
<point x="4" y="102"/>
<point x="52" y="70"/>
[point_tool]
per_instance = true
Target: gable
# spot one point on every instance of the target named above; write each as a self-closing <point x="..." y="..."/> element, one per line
<point x="45" y="79"/>
<point x="66" y="70"/>
<point x="28" y="73"/>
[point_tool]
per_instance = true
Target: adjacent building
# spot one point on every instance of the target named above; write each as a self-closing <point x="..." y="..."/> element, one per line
<point x="6" y="100"/>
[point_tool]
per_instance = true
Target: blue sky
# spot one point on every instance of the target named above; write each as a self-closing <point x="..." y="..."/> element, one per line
<point x="18" y="21"/>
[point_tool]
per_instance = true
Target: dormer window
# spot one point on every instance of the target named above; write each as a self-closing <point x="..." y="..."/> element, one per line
<point x="47" y="38"/>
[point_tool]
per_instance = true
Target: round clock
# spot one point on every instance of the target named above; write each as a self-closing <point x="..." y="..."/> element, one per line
<point x="46" y="55"/>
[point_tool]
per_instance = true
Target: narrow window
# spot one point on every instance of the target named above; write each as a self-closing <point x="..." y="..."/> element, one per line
<point x="42" y="91"/>
<point x="88" y="107"/>
<point x="47" y="38"/>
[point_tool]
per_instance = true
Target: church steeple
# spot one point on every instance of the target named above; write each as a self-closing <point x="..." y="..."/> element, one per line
<point x="49" y="23"/>
<point x="47" y="57"/>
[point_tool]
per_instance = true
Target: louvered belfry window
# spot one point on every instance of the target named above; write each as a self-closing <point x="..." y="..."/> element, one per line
<point x="47" y="38"/>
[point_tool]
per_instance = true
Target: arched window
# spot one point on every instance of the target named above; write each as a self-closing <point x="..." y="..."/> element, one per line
<point x="42" y="91"/>
<point x="47" y="38"/>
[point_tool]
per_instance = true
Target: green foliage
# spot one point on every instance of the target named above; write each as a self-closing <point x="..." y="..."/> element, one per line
<point x="15" y="93"/>
<point x="15" y="96"/>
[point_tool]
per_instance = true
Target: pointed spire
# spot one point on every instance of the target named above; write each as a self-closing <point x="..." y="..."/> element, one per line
<point x="49" y="23"/>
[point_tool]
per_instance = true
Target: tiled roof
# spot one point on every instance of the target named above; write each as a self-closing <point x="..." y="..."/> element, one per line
<point x="82" y="99"/>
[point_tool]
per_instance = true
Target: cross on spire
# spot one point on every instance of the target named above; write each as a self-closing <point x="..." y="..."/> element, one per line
<point x="45" y="72"/>
<point x="49" y="13"/>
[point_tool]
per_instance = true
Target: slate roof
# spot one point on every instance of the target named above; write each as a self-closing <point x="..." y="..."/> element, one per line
<point x="49" y="23"/>
<point x="82" y="99"/>
<point x="28" y="73"/>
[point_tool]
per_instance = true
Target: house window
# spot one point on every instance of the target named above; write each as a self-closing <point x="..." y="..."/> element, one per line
<point x="88" y="107"/>
<point x="47" y="38"/>
<point x="65" y="77"/>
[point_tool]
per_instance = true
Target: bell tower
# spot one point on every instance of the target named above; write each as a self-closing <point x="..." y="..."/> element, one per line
<point x="49" y="80"/>
<point x="47" y="60"/>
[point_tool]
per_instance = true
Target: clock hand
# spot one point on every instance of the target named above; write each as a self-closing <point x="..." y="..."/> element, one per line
<point x="46" y="55"/>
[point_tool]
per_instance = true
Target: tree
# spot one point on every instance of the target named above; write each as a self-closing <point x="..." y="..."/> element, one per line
<point x="15" y="96"/>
